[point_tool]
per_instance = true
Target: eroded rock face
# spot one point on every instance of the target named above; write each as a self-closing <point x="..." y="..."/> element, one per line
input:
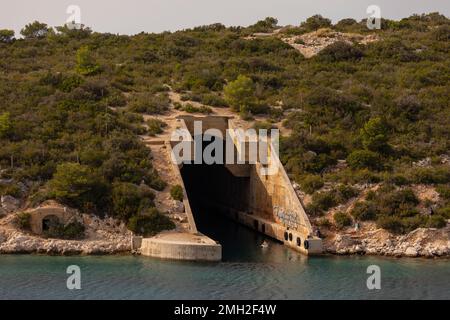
<point x="177" y="207"/>
<point x="17" y="242"/>
<point x="422" y="242"/>
<point x="9" y="203"/>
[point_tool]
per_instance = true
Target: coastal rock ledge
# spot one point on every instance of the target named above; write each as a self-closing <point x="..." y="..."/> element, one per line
<point x="422" y="242"/>
<point x="101" y="235"/>
<point x="17" y="242"/>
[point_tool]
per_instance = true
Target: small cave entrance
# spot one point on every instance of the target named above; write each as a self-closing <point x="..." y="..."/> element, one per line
<point x="48" y="222"/>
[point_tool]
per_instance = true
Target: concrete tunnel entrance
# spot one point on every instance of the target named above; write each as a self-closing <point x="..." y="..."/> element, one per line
<point x="243" y="192"/>
<point x="215" y="196"/>
<point x="213" y="188"/>
<point x="253" y="189"/>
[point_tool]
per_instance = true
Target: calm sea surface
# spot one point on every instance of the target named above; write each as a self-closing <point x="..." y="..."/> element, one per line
<point x="247" y="272"/>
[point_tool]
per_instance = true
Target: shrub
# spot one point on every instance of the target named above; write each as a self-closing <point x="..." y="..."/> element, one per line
<point x="76" y="184"/>
<point x="127" y="199"/>
<point x="6" y="36"/>
<point x="361" y="159"/>
<point x="239" y="93"/>
<point x="364" y="211"/>
<point x="116" y="100"/>
<point x="214" y="100"/>
<point x="341" y="219"/>
<point x="444" y="191"/>
<point x="345" y="193"/>
<point x="397" y="179"/>
<point x="322" y="201"/>
<point x="340" y="51"/>
<point x="311" y="183"/>
<point x="5" y="124"/>
<point x="23" y="220"/>
<point x="11" y="190"/>
<point x="155" y="126"/>
<point x="323" y="222"/>
<point x="150" y="223"/>
<point x="86" y="64"/>
<point x="71" y="231"/>
<point x="374" y="135"/>
<point x="149" y="103"/>
<point x="315" y="22"/>
<point x="444" y="212"/>
<point x="193" y="109"/>
<point x="431" y="175"/>
<point x="400" y="225"/>
<point x="390" y="223"/>
<point x="400" y="202"/>
<point x="436" y="222"/>
<point x="177" y="193"/>
<point x="442" y="33"/>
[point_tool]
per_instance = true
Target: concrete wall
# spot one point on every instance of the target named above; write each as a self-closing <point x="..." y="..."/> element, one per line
<point x="255" y="199"/>
<point x="37" y="215"/>
<point x="180" y="250"/>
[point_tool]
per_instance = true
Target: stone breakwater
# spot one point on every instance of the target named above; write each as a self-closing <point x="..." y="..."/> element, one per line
<point x="422" y="242"/>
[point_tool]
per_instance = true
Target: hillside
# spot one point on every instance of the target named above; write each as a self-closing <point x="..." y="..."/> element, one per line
<point x="363" y="113"/>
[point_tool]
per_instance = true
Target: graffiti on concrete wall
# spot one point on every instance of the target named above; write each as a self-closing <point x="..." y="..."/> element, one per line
<point x="288" y="218"/>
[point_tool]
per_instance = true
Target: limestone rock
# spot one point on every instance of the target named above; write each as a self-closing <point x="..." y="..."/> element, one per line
<point x="411" y="252"/>
<point x="177" y="207"/>
<point x="9" y="203"/>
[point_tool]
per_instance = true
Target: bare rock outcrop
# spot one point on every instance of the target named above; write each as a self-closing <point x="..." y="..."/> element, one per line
<point x="422" y="242"/>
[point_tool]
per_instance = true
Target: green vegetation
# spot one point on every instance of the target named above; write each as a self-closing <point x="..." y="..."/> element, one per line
<point x="72" y="104"/>
<point x="342" y="220"/>
<point x="5" y="124"/>
<point x="155" y="126"/>
<point x="71" y="231"/>
<point x="188" y="107"/>
<point x="397" y="211"/>
<point x="177" y="193"/>
<point x="23" y="220"/>
<point x="150" y="223"/>
<point x="311" y="183"/>
<point x="322" y="201"/>
<point x="85" y="62"/>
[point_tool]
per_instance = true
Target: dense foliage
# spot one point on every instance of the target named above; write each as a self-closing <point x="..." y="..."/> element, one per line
<point x="71" y="102"/>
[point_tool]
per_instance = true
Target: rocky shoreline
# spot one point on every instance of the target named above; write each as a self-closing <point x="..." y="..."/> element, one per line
<point x="427" y="243"/>
<point x="422" y="242"/>
<point x="101" y="237"/>
<point x="109" y="236"/>
<point x="19" y="243"/>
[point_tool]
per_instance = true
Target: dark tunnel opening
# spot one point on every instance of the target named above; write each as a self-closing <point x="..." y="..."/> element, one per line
<point x="214" y="195"/>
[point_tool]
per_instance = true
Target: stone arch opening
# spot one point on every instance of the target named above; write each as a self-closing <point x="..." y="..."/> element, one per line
<point x="49" y="221"/>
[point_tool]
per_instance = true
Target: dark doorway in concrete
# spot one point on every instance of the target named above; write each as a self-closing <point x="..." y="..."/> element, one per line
<point x="48" y="222"/>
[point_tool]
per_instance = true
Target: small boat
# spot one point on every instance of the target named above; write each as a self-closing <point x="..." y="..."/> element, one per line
<point x="265" y="244"/>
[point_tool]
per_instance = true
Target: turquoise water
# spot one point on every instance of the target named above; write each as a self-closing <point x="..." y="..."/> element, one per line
<point x="247" y="272"/>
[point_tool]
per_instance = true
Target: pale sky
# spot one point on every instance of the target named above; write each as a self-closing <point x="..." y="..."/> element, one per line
<point x="134" y="16"/>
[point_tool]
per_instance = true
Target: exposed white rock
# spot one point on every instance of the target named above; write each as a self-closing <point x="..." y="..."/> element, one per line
<point x="411" y="252"/>
<point x="422" y="242"/>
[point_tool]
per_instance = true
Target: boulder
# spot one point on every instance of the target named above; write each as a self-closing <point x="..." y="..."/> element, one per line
<point x="411" y="252"/>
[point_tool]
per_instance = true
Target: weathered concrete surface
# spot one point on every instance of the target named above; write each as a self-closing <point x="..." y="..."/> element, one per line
<point x="260" y="199"/>
<point x="181" y="246"/>
<point x="46" y="210"/>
